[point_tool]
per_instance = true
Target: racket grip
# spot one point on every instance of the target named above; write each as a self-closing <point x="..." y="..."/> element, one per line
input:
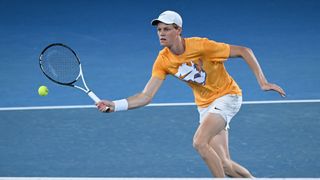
<point x="93" y="97"/>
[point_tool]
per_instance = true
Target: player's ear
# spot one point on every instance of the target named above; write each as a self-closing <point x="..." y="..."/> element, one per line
<point x="178" y="28"/>
<point x="180" y="31"/>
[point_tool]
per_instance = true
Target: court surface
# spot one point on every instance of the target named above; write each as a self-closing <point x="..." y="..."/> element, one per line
<point x="63" y="135"/>
<point x="155" y="142"/>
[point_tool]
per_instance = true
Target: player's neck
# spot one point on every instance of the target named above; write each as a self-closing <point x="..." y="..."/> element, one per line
<point x="178" y="47"/>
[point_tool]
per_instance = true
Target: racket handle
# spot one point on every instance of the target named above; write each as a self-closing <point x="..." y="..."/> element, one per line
<point x="93" y="97"/>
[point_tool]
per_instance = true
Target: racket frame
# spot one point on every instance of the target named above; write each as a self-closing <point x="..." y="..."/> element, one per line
<point x="71" y="84"/>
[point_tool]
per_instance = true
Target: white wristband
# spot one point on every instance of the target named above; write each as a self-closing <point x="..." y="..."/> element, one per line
<point x="120" y="105"/>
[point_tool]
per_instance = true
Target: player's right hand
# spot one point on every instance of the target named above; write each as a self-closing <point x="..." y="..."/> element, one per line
<point x="105" y="106"/>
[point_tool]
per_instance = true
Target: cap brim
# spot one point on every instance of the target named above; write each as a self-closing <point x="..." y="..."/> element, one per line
<point x="155" y="22"/>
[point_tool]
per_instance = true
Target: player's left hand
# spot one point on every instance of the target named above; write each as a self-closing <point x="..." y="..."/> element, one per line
<point x="273" y="87"/>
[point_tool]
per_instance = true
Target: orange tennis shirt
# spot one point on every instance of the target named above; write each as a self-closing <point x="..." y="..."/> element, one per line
<point x="201" y="66"/>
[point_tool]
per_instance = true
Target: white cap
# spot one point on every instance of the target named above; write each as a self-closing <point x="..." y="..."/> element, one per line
<point x="168" y="17"/>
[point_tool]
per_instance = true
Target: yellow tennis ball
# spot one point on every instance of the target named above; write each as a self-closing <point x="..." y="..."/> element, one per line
<point x="43" y="90"/>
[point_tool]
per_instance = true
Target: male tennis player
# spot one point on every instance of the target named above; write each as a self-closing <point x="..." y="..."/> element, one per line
<point x="200" y="63"/>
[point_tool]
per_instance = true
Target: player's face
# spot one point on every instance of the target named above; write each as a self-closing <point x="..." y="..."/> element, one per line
<point x="167" y="34"/>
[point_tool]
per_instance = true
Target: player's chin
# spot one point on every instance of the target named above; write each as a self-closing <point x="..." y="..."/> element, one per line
<point x="164" y="43"/>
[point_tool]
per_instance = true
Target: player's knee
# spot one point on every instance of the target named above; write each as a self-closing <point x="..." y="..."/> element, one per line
<point x="200" y="145"/>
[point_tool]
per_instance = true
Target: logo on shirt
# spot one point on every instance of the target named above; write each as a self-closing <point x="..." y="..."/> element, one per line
<point x="192" y="72"/>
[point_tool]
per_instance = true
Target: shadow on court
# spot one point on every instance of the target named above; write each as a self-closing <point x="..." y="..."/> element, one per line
<point x="271" y="140"/>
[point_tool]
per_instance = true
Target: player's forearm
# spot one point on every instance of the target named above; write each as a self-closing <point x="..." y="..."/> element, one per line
<point x="138" y="100"/>
<point x="253" y="63"/>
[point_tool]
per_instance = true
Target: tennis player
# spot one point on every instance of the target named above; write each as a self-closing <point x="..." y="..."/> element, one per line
<point x="200" y="63"/>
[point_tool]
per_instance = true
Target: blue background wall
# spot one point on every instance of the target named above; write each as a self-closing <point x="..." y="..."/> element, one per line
<point x="117" y="45"/>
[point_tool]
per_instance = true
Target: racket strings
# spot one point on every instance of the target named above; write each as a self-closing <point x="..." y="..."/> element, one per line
<point x="60" y="64"/>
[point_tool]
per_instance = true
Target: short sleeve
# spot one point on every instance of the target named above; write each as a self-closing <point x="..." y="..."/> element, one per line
<point x="216" y="51"/>
<point x="158" y="69"/>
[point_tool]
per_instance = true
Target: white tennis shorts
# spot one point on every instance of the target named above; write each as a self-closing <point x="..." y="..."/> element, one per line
<point x="227" y="106"/>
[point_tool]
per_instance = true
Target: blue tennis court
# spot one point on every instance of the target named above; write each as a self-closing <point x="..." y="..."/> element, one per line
<point x="271" y="136"/>
<point x="155" y="142"/>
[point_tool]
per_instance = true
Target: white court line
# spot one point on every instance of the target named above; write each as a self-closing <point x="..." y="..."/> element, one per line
<point x="136" y="178"/>
<point x="99" y="178"/>
<point x="153" y="105"/>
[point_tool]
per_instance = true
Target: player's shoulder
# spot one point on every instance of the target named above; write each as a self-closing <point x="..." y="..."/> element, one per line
<point x="196" y="39"/>
<point x="200" y="40"/>
<point x="196" y="42"/>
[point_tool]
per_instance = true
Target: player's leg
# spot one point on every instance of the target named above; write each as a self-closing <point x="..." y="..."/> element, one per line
<point x="220" y="144"/>
<point x="210" y="126"/>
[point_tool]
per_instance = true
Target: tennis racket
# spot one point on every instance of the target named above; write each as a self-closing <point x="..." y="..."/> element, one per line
<point x="61" y="65"/>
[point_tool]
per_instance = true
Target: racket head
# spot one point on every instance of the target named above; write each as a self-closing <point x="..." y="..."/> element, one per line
<point x="60" y="64"/>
